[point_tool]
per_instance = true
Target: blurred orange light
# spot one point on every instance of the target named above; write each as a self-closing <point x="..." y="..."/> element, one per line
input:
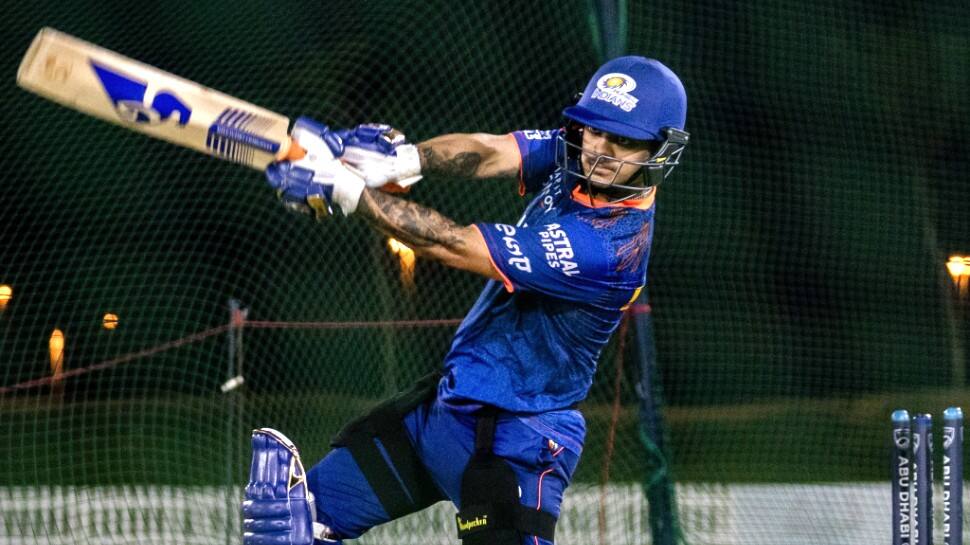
<point x="406" y="257"/>
<point x="958" y="266"/>
<point x="110" y="321"/>
<point x="56" y="345"/>
<point x="6" y="294"/>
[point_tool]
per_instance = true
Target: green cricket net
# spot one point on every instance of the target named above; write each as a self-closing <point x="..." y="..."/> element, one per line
<point x="798" y="287"/>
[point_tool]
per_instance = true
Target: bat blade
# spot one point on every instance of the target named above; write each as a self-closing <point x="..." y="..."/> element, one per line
<point x="114" y="88"/>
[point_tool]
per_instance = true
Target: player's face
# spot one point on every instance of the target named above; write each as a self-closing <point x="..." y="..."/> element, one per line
<point x="598" y="143"/>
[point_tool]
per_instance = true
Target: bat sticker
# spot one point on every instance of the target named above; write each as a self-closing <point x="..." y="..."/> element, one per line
<point x="128" y="96"/>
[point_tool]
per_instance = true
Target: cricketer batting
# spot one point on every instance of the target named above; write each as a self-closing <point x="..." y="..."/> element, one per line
<point x="497" y="430"/>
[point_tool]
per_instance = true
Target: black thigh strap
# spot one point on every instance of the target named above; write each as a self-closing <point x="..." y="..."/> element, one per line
<point x="381" y="479"/>
<point x="400" y="481"/>
<point x="535" y="522"/>
<point x="491" y="512"/>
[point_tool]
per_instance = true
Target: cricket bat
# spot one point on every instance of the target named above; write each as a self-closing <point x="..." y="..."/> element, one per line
<point x="112" y="87"/>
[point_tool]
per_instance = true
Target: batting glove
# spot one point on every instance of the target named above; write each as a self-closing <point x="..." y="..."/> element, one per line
<point x="381" y="155"/>
<point x="319" y="180"/>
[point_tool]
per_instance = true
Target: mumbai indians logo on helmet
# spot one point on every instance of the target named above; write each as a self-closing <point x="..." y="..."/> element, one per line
<point x="615" y="88"/>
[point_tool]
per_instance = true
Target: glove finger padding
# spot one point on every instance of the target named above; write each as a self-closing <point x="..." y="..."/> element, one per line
<point x="297" y="190"/>
<point x="378" y="137"/>
<point x="277" y="506"/>
<point x="318" y="180"/>
<point x="381" y="154"/>
<point x="319" y="141"/>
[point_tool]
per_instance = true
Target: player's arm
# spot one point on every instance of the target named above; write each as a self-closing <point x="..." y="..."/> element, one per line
<point x="477" y="155"/>
<point x="429" y="233"/>
<point x="319" y="181"/>
<point x="381" y="155"/>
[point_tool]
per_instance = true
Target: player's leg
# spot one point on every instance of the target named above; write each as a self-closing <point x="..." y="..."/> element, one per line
<point x="375" y="474"/>
<point x="344" y="499"/>
<point x="543" y="486"/>
<point x="443" y="442"/>
<point x="282" y="502"/>
<point x="543" y="470"/>
<point x="540" y="470"/>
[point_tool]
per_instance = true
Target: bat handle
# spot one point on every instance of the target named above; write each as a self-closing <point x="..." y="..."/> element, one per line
<point x="290" y="151"/>
<point x="293" y="152"/>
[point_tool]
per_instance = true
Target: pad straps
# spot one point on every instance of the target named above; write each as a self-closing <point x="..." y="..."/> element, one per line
<point x="395" y="499"/>
<point x="396" y="474"/>
<point x="482" y="502"/>
<point x="485" y="430"/>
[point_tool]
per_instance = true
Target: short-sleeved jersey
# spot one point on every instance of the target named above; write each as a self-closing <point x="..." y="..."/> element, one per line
<point x="569" y="267"/>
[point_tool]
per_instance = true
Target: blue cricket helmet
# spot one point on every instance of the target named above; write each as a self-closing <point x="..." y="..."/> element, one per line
<point x="632" y="96"/>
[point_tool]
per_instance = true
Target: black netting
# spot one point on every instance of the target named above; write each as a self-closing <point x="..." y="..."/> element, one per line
<point x="797" y="280"/>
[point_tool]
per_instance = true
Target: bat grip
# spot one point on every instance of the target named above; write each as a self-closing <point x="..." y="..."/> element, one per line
<point x="291" y="152"/>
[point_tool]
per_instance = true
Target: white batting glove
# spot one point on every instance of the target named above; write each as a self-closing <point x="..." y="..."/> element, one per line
<point x="318" y="180"/>
<point x="381" y="155"/>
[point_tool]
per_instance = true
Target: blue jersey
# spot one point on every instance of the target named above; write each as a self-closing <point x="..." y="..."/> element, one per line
<point x="569" y="268"/>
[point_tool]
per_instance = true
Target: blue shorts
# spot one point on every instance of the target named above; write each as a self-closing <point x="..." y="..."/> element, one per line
<point x="444" y="440"/>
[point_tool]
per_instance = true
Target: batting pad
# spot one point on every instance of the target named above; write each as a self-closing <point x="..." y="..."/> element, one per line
<point x="277" y="508"/>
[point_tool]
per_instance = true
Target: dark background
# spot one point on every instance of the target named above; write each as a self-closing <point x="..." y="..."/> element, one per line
<point x="797" y="276"/>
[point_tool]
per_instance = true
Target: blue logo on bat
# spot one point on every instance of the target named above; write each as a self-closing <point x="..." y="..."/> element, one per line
<point x="128" y="96"/>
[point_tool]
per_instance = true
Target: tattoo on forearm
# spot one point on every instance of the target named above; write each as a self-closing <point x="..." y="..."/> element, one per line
<point x="464" y="163"/>
<point x="413" y="224"/>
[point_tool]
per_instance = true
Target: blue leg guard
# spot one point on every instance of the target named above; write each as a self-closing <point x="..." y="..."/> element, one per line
<point x="278" y="507"/>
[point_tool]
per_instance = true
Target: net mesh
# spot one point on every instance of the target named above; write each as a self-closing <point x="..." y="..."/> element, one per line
<point x="797" y="278"/>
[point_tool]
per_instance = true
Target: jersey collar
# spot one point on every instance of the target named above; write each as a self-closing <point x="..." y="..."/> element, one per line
<point x="640" y="204"/>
